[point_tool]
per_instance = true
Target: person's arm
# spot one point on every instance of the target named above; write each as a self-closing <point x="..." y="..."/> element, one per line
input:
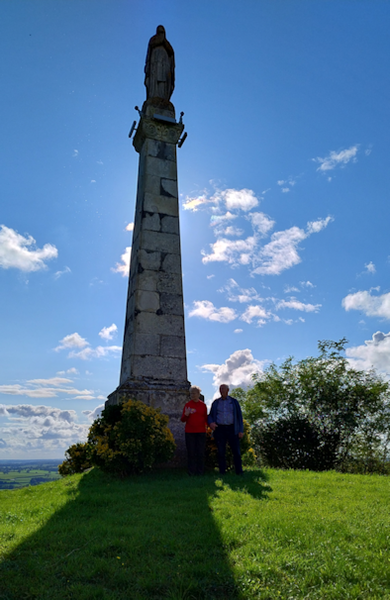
<point x="184" y="416"/>
<point x="211" y="419"/>
<point x="239" y="418"/>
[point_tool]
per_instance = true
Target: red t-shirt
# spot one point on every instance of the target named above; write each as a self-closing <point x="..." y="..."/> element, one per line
<point x="197" y="421"/>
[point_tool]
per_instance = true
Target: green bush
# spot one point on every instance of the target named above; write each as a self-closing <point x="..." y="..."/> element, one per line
<point x="77" y="459"/>
<point x="248" y="455"/>
<point x="130" y="438"/>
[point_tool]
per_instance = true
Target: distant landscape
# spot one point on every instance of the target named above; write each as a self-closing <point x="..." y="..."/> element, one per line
<point x="21" y="473"/>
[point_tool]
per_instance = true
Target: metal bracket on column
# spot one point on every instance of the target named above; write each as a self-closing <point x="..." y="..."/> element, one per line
<point x="132" y="129"/>
<point x="182" y="140"/>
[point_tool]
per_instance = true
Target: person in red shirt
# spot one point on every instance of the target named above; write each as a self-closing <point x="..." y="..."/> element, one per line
<point x="195" y="417"/>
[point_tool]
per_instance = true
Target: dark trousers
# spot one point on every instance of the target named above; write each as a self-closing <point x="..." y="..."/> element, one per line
<point x="224" y="434"/>
<point x="196" y="445"/>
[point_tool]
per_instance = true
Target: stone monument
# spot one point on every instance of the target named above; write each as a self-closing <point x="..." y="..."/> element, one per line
<point x="154" y="363"/>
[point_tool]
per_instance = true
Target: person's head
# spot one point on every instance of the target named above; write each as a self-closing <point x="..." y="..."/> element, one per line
<point x="224" y="390"/>
<point x="195" y="393"/>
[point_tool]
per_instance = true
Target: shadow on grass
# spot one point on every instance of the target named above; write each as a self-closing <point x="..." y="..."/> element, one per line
<point x="147" y="537"/>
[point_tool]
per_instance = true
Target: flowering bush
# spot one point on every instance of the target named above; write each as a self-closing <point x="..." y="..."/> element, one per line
<point x="130" y="438"/>
<point x="77" y="459"/>
<point x="248" y="455"/>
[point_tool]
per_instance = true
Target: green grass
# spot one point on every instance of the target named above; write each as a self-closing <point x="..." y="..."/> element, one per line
<point x="271" y="534"/>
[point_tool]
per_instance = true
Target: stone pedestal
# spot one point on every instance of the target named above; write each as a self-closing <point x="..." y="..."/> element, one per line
<point x="154" y="364"/>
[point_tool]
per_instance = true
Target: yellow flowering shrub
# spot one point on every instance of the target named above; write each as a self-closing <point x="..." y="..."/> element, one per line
<point x="77" y="459"/>
<point x="130" y="438"/>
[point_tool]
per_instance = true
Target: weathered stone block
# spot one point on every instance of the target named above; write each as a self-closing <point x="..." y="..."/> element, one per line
<point x="170" y="225"/>
<point x="147" y="301"/>
<point x="151" y="366"/>
<point x="161" y="204"/>
<point x="177" y="368"/>
<point x="168" y="188"/>
<point x="152" y="185"/>
<point x="161" y="150"/>
<point x="148" y="280"/>
<point x="172" y="263"/>
<point x="163" y="242"/>
<point x="151" y="221"/>
<point x="169" y="283"/>
<point x="147" y="344"/>
<point x="147" y="322"/>
<point x="163" y="168"/>
<point x="173" y="345"/>
<point x="149" y="260"/>
<point x="171" y="304"/>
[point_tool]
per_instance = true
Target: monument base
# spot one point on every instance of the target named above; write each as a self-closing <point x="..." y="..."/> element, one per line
<point x="169" y="395"/>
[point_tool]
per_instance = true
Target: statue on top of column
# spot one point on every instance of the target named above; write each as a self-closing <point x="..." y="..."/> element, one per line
<point x="159" y="67"/>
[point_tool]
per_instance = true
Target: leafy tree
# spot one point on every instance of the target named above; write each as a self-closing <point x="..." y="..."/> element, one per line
<point x="77" y="459"/>
<point x="320" y="413"/>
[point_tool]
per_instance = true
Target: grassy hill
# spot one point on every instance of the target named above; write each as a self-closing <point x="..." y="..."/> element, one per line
<point x="271" y="534"/>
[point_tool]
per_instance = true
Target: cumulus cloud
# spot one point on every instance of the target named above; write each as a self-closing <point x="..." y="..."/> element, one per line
<point x="374" y="353"/>
<point x="206" y="310"/>
<point x="124" y="266"/>
<point x="281" y="252"/>
<point x="257" y="313"/>
<point x="235" y="293"/>
<point x="98" y="352"/>
<point x="337" y="158"/>
<point x="95" y="413"/>
<point x="372" y="306"/>
<point x="73" y="340"/>
<point x="231" y="199"/>
<point x="261" y="222"/>
<point x="233" y="252"/>
<point x="37" y="429"/>
<point x="238" y="331"/>
<point x="237" y="370"/>
<point x="19" y="252"/>
<point x="107" y="333"/>
<point x="130" y="227"/>
<point x="242" y="199"/>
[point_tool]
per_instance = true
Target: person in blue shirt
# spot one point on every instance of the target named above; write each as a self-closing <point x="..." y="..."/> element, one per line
<point x="225" y="420"/>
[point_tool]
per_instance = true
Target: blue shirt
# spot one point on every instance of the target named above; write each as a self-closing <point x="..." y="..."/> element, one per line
<point x="225" y="412"/>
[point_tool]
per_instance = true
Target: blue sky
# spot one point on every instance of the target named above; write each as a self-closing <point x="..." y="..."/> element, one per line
<point x="283" y="185"/>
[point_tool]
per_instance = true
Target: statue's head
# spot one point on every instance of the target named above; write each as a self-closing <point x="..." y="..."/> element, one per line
<point x="160" y="30"/>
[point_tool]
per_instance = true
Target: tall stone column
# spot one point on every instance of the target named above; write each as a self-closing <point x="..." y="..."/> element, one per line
<point x="154" y="364"/>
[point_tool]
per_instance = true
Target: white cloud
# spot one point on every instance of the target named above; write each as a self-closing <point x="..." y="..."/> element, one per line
<point x="261" y="222"/>
<point x="75" y="153"/>
<point x="73" y="340"/>
<point x="44" y="388"/>
<point x="206" y="310"/>
<point x="37" y="429"/>
<point x="233" y="231"/>
<point x="370" y="268"/>
<point x="307" y="284"/>
<point x="98" y="352"/>
<point x="290" y="288"/>
<point x="232" y="199"/>
<point x="237" y="370"/>
<point x="58" y="274"/>
<point x="107" y="333"/>
<point x="95" y="413"/>
<point x="259" y="313"/>
<point x="238" y="199"/>
<point x="19" y="252"/>
<point x="337" y="158"/>
<point x="238" y="331"/>
<point x="124" y="267"/>
<point x="295" y="304"/>
<point x="130" y="227"/>
<point x="372" y="306"/>
<point x="195" y="203"/>
<point x="233" y="252"/>
<point x="373" y="353"/>
<point x="237" y="294"/>
<point x="281" y="252"/>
